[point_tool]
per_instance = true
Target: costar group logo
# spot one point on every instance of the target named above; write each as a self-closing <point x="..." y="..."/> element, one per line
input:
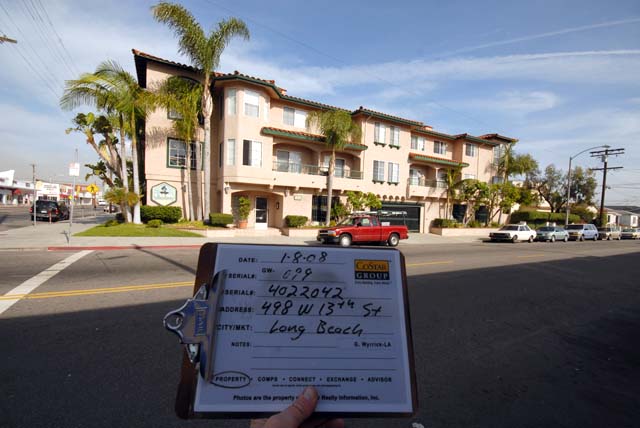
<point x="372" y="269"/>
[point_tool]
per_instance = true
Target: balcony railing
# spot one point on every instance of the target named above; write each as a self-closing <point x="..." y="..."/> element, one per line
<point x="421" y="181"/>
<point x="297" y="168"/>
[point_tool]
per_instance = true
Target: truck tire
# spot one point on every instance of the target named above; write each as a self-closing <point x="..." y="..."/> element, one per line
<point x="345" y="240"/>
<point x="393" y="240"/>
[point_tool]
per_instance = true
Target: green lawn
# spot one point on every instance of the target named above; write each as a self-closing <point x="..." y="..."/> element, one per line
<point x="136" y="230"/>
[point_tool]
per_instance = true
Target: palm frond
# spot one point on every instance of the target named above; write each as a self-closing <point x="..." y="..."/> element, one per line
<point x="184" y="25"/>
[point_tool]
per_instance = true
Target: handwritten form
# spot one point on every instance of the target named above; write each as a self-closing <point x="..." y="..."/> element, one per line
<point x="296" y="316"/>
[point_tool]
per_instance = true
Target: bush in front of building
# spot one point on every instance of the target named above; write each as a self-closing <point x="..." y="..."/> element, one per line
<point x="112" y="222"/>
<point x="220" y="219"/>
<point x="154" y="223"/>
<point x="538" y="218"/>
<point x="475" y="223"/>
<point x="445" y="223"/>
<point x="296" y="220"/>
<point x="583" y="212"/>
<point x="166" y="214"/>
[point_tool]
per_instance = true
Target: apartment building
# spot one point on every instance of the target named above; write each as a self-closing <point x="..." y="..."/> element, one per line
<point x="261" y="148"/>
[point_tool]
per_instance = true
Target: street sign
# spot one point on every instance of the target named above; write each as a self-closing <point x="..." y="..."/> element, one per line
<point x="74" y="169"/>
<point x="93" y="189"/>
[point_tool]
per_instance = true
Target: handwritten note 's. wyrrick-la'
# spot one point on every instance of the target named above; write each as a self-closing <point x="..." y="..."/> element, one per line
<point x="296" y="316"/>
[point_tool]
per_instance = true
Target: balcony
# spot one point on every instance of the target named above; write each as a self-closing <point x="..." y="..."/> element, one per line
<point x="297" y="168"/>
<point x="425" y="188"/>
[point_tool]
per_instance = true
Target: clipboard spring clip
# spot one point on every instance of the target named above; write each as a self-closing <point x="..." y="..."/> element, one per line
<point x="194" y="323"/>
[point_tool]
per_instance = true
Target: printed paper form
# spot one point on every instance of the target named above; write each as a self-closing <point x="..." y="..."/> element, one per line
<point x="296" y="316"/>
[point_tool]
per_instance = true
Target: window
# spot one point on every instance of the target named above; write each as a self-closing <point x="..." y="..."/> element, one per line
<point x="498" y="151"/>
<point x="469" y="176"/>
<point x="267" y="107"/>
<point x="378" y="170"/>
<point x="319" y="207"/>
<point x="394" y="172"/>
<point x="496" y="180"/>
<point x="251" y="103"/>
<point x="338" y="170"/>
<point x="231" y="152"/>
<point x="439" y="148"/>
<point x="415" y="177"/>
<point x="251" y="153"/>
<point x="294" y="117"/>
<point x="231" y="101"/>
<point x="470" y="150"/>
<point x="288" y="161"/>
<point x="178" y="154"/>
<point x="173" y="114"/>
<point x="417" y="143"/>
<point x="394" y="136"/>
<point x="379" y="133"/>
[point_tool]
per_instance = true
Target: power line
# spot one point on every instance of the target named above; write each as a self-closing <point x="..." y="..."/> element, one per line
<point x="604" y="156"/>
<point x="46" y="14"/>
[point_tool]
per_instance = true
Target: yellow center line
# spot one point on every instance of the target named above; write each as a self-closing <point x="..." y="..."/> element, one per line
<point x="119" y="289"/>
<point x="440" y="262"/>
<point x="530" y="256"/>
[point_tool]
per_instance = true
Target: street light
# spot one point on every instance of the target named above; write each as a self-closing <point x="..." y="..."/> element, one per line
<point x="566" y="220"/>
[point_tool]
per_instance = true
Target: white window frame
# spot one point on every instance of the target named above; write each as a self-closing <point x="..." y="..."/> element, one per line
<point x="439" y="148"/>
<point x="249" y="97"/>
<point x="470" y="150"/>
<point x="289" y="113"/>
<point x="232" y="101"/>
<point x="230" y="155"/>
<point x="255" y="153"/>
<point x="181" y="160"/>
<point x="379" y="133"/>
<point x="394" y="136"/>
<point x="378" y="170"/>
<point x="394" y="172"/>
<point x="417" y="143"/>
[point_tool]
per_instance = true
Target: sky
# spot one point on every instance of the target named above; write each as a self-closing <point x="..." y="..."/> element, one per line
<point x="561" y="76"/>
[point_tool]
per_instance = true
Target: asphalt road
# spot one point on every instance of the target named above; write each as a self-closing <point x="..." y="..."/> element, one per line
<point x="524" y="335"/>
<point x="18" y="216"/>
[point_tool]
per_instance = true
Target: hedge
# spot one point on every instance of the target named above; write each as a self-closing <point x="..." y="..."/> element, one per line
<point x="445" y="223"/>
<point x="296" y="220"/>
<point x="220" y="219"/>
<point x="166" y="214"/>
<point x="537" y="217"/>
<point x="154" y="223"/>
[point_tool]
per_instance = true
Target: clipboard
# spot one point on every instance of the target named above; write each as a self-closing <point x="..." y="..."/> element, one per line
<point x="267" y="320"/>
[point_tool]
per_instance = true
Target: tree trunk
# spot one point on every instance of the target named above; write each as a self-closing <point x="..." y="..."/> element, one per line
<point x="207" y="108"/>
<point x="332" y="162"/>
<point x="189" y="194"/>
<point x="199" y="208"/>
<point x="136" y="176"/>
<point x="126" y="213"/>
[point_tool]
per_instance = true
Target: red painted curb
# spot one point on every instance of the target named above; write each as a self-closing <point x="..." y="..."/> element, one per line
<point x="123" y="247"/>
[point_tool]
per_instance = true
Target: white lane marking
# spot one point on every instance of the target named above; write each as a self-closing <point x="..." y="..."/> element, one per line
<point x="32" y="283"/>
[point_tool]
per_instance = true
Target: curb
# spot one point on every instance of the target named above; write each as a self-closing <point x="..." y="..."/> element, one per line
<point x="123" y="247"/>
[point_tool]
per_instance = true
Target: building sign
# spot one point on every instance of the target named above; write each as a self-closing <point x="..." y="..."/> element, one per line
<point x="164" y="194"/>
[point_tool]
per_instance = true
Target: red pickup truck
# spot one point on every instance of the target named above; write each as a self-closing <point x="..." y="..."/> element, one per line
<point x="365" y="227"/>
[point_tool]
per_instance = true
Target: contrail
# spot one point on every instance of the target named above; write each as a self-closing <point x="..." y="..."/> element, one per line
<point x="548" y="34"/>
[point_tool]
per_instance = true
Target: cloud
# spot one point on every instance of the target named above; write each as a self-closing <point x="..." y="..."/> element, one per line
<point x="515" y="102"/>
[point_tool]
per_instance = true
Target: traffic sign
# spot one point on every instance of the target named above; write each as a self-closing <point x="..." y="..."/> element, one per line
<point x="93" y="189"/>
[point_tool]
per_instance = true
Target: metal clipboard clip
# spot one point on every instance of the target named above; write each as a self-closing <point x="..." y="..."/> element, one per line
<point x="194" y="323"/>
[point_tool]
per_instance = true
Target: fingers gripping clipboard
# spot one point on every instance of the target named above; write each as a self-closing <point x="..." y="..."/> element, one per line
<point x="266" y="321"/>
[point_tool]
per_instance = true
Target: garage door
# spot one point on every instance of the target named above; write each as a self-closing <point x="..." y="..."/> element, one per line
<point x="413" y="214"/>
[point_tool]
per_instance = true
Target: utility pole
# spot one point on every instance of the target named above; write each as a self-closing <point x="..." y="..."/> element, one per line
<point x="5" y="39"/>
<point x="604" y="156"/>
<point x="33" y="168"/>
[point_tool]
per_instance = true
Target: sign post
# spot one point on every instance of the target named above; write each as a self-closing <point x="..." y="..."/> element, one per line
<point x="74" y="171"/>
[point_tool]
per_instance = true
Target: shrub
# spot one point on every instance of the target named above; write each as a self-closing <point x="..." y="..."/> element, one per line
<point x="166" y="214"/>
<point x="154" y="223"/>
<point x="296" y="220"/>
<point x="220" y="219"/>
<point x="494" y="224"/>
<point x="120" y="217"/>
<point x="538" y="217"/>
<point x="475" y="223"/>
<point x="112" y="222"/>
<point x="244" y="207"/>
<point x="583" y="212"/>
<point x="445" y="223"/>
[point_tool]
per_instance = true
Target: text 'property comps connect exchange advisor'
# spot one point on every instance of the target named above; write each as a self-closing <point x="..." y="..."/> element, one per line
<point x="291" y="317"/>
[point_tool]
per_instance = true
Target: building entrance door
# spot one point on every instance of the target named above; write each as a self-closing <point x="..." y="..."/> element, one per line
<point x="261" y="212"/>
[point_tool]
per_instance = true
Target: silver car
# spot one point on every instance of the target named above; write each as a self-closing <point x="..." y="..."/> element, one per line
<point x="552" y="234"/>
<point x="610" y="232"/>
<point x="630" y="233"/>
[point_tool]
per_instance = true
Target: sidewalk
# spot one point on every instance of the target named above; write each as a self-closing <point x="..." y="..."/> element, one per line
<point x="55" y="236"/>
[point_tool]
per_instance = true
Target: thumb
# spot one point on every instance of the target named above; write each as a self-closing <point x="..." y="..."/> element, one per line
<point x="297" y="412"/>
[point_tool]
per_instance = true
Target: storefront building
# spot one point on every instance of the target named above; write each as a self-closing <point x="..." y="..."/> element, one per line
<point x="261" y="148"/>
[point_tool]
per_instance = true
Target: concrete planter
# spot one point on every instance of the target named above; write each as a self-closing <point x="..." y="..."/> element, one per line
<point x="300" y="233"/>
<point x="463" y="231"/>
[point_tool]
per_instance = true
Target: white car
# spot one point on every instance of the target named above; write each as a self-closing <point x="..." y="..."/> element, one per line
<point x="513" y="233"/>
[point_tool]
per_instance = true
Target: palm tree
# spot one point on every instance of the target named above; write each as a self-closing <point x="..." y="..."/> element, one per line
<point x="204" y="53"/>
<point x="114" y="90"/>
<point x="452" y="182"/>
<point x="182" y="96"/>
<point x="338" y="129"/>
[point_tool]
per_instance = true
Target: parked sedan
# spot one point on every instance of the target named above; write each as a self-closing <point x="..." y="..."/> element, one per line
<point x="53" y="210"/>
<point x="630" y="233"/>
<point x="609" y="232"/>
<point x="580" y="232"/>
<point x="513" y="233"/>
<point x="552" y="234"/>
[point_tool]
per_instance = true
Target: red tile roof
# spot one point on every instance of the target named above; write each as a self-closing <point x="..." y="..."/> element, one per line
<point x="386" y="116"/>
